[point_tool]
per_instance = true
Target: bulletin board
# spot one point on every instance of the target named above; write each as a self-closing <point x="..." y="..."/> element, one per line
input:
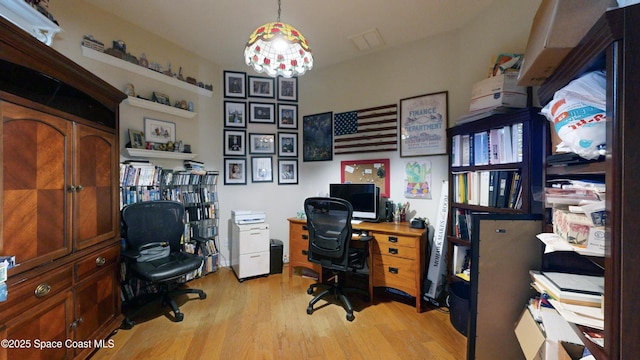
<point x="367" y="171"/>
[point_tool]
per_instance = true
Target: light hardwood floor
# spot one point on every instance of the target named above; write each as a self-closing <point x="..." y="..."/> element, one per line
<point x="265" y="318"/>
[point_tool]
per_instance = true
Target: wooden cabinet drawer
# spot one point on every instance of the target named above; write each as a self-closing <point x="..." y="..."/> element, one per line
<point x="392" y="249"/>
<point x="29" y="293"/>
<point x="383" y="240"/>
<point x="96" y="261"/>
<point x="395" y="272"/>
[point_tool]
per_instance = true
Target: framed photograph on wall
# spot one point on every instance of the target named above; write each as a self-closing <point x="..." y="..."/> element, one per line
<point x="287" y="116"/>
<point x="287" y="171"/>
<point x="235" y="171"/>
<point x="261" y="169"/>
<point x="317" y="137"/>
<point x="158" y="131"/>
<point x="262" y="113"/>
<point x="235" y="114"/>
<point x="423" y="125"/>
<point x="287" y="144"/>
<point x="235" y="84"/>
<point x="262" y="143"/>
<point x="234" y="141"/>
<point x="261" y="87"/>
<point x="287" y="89"/>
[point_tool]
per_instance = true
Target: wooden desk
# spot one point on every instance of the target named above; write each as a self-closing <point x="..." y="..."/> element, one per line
<point x="396" y="255"/>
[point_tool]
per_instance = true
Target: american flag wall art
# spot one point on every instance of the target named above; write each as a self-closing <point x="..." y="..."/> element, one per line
<point x="366" y="130"/>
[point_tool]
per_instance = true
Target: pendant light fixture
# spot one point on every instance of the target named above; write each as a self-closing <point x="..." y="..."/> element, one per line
<point x="278" y="49"/>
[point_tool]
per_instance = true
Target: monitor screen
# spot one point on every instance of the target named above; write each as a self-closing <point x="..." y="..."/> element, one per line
<point x="364" y="199"/>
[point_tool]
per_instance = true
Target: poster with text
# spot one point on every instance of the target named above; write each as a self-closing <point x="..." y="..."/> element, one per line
<point x="423" y="125"/>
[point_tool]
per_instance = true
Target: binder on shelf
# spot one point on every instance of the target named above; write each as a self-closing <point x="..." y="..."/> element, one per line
<point x="484" y="187"/>
<point x="456" y="149"/>
<point x="504" y="183"/>
<point x="494" y="183"/>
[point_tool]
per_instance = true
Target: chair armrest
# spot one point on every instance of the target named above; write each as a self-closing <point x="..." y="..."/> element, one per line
<point x="365" y="238"/>
<point x="130" y="254"/>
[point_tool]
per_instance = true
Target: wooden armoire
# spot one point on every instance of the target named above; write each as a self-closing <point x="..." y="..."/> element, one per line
<point x="59" y="199"/>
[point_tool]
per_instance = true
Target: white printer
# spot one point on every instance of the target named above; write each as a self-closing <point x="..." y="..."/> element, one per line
<point x="247" y="216"/>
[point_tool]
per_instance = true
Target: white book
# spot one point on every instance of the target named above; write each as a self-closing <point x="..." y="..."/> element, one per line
<point x="466" y="151"/>
<point x="484" y="188"/>
<point x="494" y="147"/>
<point x="506" y="155"/>
<point x="517" y="141"/>
<point x="456" y="150"/>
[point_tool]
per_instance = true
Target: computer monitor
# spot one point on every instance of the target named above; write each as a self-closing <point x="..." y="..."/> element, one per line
<point x="364" y="198"/>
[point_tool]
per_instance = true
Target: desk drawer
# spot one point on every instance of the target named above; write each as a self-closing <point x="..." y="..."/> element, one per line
<point x="394" y="240"/>
<point x="395" y="272"/>
<point x="394" y="250"/>
<point x="96" y="261"/>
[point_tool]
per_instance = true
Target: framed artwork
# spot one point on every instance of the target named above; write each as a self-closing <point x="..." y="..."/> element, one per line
<point x="235" y="114"/>
<point x="287" y="116"/>
<point x="317" y="137"/>
<point x="423" y="124"/>
<point x="261" y="169"/>
<point x="262" y="113"/>
<point x="235" y="171"/>
<point x="287" y="144"/>
<point x="234" y="141"/>
<point x="287" y="89"/>
<point x="158" y="131"/>
<point x="287" y="171"/>
<point x="367" y="171"/>
<point x="261" y="87"/>
<point x="136" y="138"/>
<point x="262" y="143"/>
<point x="235" y="84"/>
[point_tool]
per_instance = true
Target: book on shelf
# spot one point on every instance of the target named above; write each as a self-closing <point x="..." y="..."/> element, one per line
<point x="465" y="156"/>
<point x="494" y="147"/>
<point x="481" y="148"/>
<point x="504" y="183"/>
<point x="485" y="192"/>
<point x="456" y="150"/>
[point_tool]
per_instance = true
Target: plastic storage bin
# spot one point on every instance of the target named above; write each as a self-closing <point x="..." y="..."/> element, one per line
<point x="276" y="257"/>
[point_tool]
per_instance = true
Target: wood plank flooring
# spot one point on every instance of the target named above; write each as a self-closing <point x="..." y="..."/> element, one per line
<point x="265" y="318"/>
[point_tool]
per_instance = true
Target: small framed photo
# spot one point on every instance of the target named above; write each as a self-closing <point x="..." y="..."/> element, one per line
<point x="287" y="171"/>
<point x="158" y="131"/>
<point x="262" y="113"/>
<point x="234" y="141"/>
<point x="261" y="169"/>
<point x="287" y="116"/>
<point x="262" y="143"/>
<point x="261" y="87"/>
<point x="287" y="89"/>
<point x="235" y="171"/>
<point x="136" y="138"/>
<point x="287" y="144"/>
<point x="235" y="114"/>
<point x="235" y="84"/>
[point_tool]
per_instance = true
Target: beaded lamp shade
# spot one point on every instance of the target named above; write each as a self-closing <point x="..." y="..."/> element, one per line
<point x="278" y="49"/>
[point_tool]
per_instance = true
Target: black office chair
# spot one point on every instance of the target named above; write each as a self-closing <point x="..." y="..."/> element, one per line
<point x="153" y="255"/>
<point x="329" y="225"/>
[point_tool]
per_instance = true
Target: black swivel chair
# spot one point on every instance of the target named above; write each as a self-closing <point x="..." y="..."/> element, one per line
<point x="329" y="225"/>
<point x="153" y="255"/>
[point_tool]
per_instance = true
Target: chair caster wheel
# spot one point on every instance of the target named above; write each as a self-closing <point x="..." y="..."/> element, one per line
<point x="309" y="310"/>
<point x="350" y="317"/>
<point x="310" y="291"/>
<point x="128" y="324"/>
<point x="179" y="317"/>
<point x="203" y="296"/>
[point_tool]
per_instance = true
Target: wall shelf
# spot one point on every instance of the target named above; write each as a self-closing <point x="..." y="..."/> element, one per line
<point x="144" y="153"/>
<point x="30" y="20"/>
<point x="150" y="105"/>
<point x="136" y="69"/>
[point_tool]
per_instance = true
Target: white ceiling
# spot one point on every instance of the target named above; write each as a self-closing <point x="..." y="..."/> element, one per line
<point x="218" y="29"/>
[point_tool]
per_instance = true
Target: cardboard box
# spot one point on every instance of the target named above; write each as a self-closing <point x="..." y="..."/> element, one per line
<point x="536" y="346"/>
<point x="496" y="91"/>
<point x="558" y="27"/>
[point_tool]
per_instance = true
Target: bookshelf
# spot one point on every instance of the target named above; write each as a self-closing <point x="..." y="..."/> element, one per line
<point x="613" y="43"/>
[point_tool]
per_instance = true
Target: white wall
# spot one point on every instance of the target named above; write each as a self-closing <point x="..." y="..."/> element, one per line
<point x="448" y="62"/>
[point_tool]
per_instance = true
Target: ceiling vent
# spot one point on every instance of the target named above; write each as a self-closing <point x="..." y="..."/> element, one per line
<point x="368" y="40"/>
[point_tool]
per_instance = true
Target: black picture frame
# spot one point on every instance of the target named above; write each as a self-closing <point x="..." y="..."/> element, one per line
<point x="287" y="89"/>
<point x="261" y="169"/>
<point x="426" y="133"/>
<point x="317" y="137"/>
<point x="288" y="116"/>
<point x="264" y="113"/>
<point x="287" y="171"/>
<point x="234" y="142"/>
<point x="262" y="143"/>
<point x="235" y="171"/>
<point x="288" y="144"/>
<point x="262" y="87"/>
<point x="235" y="84"/>
<point x="235" y="114"/>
